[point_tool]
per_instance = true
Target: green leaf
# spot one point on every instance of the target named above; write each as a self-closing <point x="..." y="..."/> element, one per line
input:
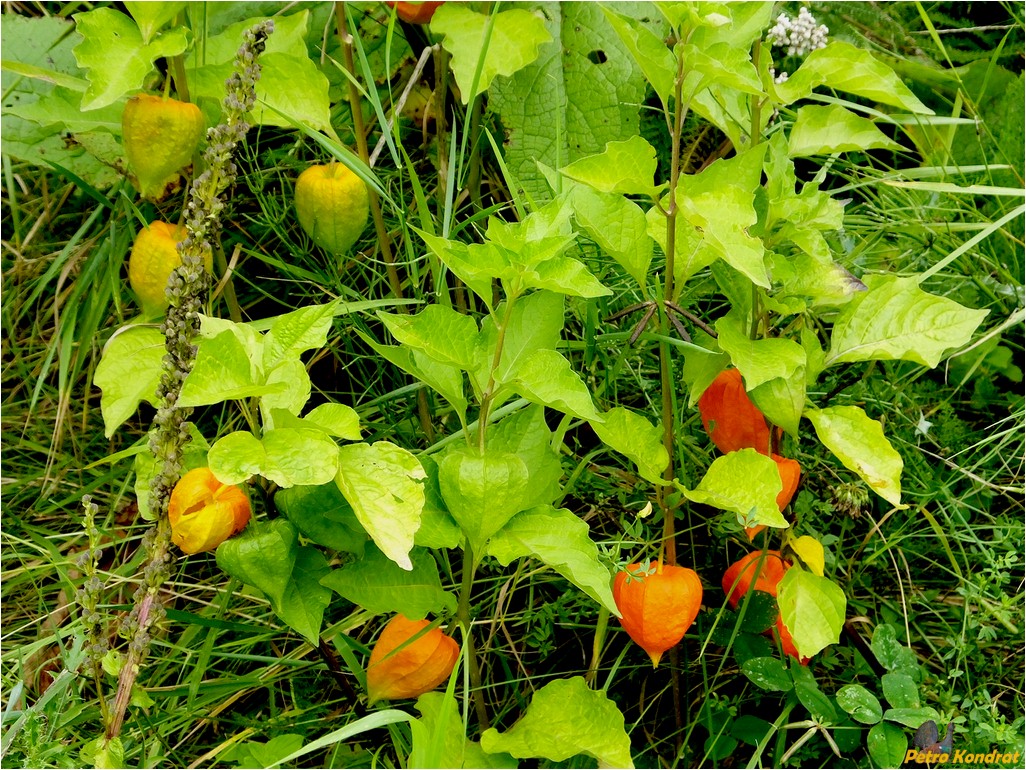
<point x="438" y="529"/>
<point x="830" y="129"/>
<point x="223" y="370"/>
<point x="649" y="51"/>
<point x="286" y="456"/>
<point x="814" y="699"/>
<point x="858" y="441"/>
<point x="292" y="334"/>
<point x="750" y="729"/>
<point x="626" y="167"/>
<point x="721" y="63"/>
<point x="843" y="66"/>
<point x="565" y="275"/>
<point x="860" y="703"/>
<point x="635" y="437"/>
<point x="305" y="599"/>
<point x="323" y="515"/>
<point x="336" y="420"/>
<point x="118" y="60"/>
<point x="292" y="390"/>
<point x="476" y="265"/>
<point x="483" y="47"/>
<point x="759" y="360"/>
<point x="744" y="482"/>
<point x="534" y="324"/>
<point x="476" y="757"/>
<point x="483" y="492"/>
<point x="581" y="92"/>
<point x="812" y="608"/>
<point x="913" y="718"/>
<point x="559" y="539"/>
<point x="767" y="674"/>
<point x="900" y="690"/>
<point x="263" y="556"/>
<point x="618" y="225"/>
<point x="103" y="753"/>
<point x="258" y="754"/>
<point x="446" y="380"/>
<point x="152" y="16"/>
<point x="701" y="366"/>
<point x="525" y="434"/>
<point x="290" y="82"/>
<point x="441" y="743"/>
<point x="440" y="332"/>
<point x="896" y="319"/>
<point x="716" y="209"/>
<point x="545" y="378"/>
<point x="816" y="281"/>
<point x="378" y="585"/>
<point x="799" y="217"/>
<point x="385" y="485"/>
<point x="892" y="654"/>
<point x="566" y="718"/>
<point x="782" y="400"/>
<point x="128" y="373"/>
<point x="221" y="45"/>
<point x="887" y="745"/>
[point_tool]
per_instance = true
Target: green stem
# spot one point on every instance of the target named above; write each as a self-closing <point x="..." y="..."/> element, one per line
<point x="756" y="133"/>
<point x="463" y="615"/>
<point x="669" y="544"/>
<point x="489" y="391"/>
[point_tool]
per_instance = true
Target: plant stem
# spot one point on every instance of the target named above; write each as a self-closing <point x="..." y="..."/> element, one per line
<point x="489" y="391"/>
<point x="669" y="543"/>
<point x="463" y="615"/>
<point x="384" y="242"/>
<point x="669" y="540"/>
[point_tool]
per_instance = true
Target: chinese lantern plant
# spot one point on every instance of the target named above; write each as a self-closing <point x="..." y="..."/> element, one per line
<point x="658" y="603"/>
<point x="154" y="255"/>
<point x="409" y="659"/>
<point x="416" y="13"/>
<point x="160" y="137"/>
<point x="203" y="512"/>
<point x="332" y="204"/>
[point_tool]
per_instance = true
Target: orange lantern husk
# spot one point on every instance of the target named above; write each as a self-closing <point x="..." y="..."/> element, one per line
<point x="400" y="668"/>
<point x="741" y="577"/>
<point x="780" y="632"/>
<point x="203" y="512"/>
<point x="730" y="418"/>
<point x="657" y="609"/>
<point x="416" y="13"/>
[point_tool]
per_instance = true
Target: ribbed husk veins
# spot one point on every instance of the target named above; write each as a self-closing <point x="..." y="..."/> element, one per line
<point x="160" y="137"/>
<point x="659" y="607"/>
<point x="730" y="418"/>
<point x="400" y="670"/>
<point x="332" y="204"/>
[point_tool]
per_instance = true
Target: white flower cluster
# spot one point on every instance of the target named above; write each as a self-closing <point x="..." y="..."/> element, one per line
<point x="799" y="36"/>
